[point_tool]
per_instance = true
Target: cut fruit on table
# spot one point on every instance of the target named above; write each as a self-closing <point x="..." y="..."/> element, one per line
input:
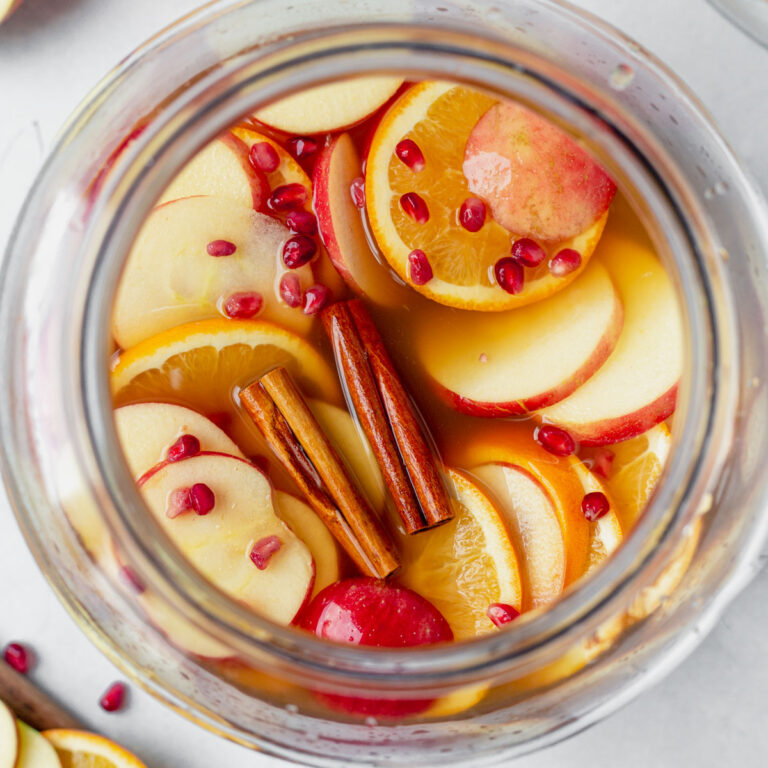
<point x="9" y="737"/>
<point x="330" y="107"/>
<point x="518" y="361"/>
<point x="192" y="256"/>
<point x="636" y="388"/>
<point x="78" y="749"/>
<point x="219" y="512"/>
<point x="414" y="205"/>
<point x="34" y="750"/>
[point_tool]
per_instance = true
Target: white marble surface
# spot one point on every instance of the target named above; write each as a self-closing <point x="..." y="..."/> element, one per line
<point x="710" y="712"/>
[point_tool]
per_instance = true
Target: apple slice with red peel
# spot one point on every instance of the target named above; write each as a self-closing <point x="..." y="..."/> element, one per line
<point x="537" y="180"/>
<point x="147" y="430"/>
<point x="330" y="107"/>
<point x="636" y="388"/>
<point x="501" y="364"/>
<point x="341" y="226"/>
<point x="35" y="751"/>
<point x="235" y="540"/>
<point x="533" y="523"/>
<point x="177" y="270"/>
<point x="221" y="168"/>
<point x="9" y="737"/>
<point x="305" y="523"/>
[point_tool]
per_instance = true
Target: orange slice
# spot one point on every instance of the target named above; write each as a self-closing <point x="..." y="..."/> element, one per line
<point x="439" y="116"/>
<point x="202" y="365"/>
<point x="78" y="749"/>
<point x="464" y="565"/>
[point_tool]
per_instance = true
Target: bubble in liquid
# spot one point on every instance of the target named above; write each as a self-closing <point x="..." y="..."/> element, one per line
<point x="621" y="77"/>
<point x="371" y="721"/>
<point x="292" y="708"/>
<point x="721" y="188"/>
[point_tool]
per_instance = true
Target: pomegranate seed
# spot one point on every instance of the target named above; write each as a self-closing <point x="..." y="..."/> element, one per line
<point x="472" y="214"/>
<point x="509" y="275"/>
<point x="114" y="697"/>
<point x="554" y="440"/>
<point x="302" y="146"/>
<point x="315" y="298"/>
<point x="243" y="305"/>
<point x="528" y="252"/>
<point x="179" y="501"/>
<point x="220" y="248"/>
<point x="287" y="197"/>
<point x="302" y="222"/>
<point x="413" y="204"/>
<point x="298" y="251"/>
<point x="501" y="613"/>
<point x="131" y="578"/>
<point x="603" y="462"/>
<point x="262" y="551"/>
<point x="290" y="290"/>
<point x="264" y="157"/>
<point x="18" y="657"/>
<point x="595" y="505"/>
<point x="221" y="419"/>
<point x="564" y="262"/>
<point x="260" y="462"/>
<point x="183" y="448"/>
<point x="357" y="190"/>
<point x="419" y="267"/>
<point x="201" y="498"/>
<point x="408" y="151"/>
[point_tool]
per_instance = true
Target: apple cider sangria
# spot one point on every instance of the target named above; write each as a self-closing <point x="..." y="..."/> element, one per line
<point x="395" y="363"/>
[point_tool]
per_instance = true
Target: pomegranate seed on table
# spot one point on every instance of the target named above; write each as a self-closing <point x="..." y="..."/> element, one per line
<point x="302" y="146"/>
<point x="114" y="697"/>
<point x="220" y="248"/>
<point x="263" y="550"/>
<point x="595" y="505"/>
<point x="179" y="502"/>
<point x="287" y="197"/>
<point x="264" y="157"/>
<point x="472" y="214"/>
<point x="301" y="222"/>
<point x="315" y="298"/>
<point x="509" y="275"/>
<point x="18" y="656"/>
<point x="419" y="267"/>
<point x="501" y="613"/>
<point x="555" y="440"/>
<point x="528" y="252"/>
<point x="564" y="262"/>
<point x="357" y="190"/>
<point x="290" y="290"/>
<point x="183" y="448"/>
<point x="414" y="206"/>
<point x="409" y="152"/>
<point x="243" y="305"/>
<point x="298" y="251"/>
<point x="201" y="498"/>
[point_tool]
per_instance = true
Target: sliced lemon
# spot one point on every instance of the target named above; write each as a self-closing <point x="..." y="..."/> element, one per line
<point x="78" y="749"/>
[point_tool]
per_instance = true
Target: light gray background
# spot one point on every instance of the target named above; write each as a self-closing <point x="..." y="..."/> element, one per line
<point x="710" y="712"/>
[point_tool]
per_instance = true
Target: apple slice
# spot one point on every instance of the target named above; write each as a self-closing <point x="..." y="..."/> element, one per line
<point x="636" y="388"/>
<point x="536" y="179"/>
<point x="170" y="278"/>
<point x="532" y="521"/>
<point x="221" y="168"/>
<point x="9" y="737"/>
<point x="341" y="225"/>
<point x="34" y="749"/>
<point x="303" y="521"/>
<point x="147" y="430"/>
<point x="239" y="543"/>
<point x="330" y="107"/>
<point x="500" y="364"/>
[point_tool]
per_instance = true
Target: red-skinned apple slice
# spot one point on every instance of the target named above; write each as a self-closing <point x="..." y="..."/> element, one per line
<point x="34" y="749"/>
<point x="170" y="278"/>
<point x="330" y="107"/>
<point x="148" y="430"/>
<point x="537" y="180"/>
<point x="533" y="523"/>
<point x="341" y="227"/>
<point x="221" y="168"/>
<point x="508" y="363"/>
<point x="9" y="738"/>
<point x="222" y="543"/>
<point x="636" y="388"/>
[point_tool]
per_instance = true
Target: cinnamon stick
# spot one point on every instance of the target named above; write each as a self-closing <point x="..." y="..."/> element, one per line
<point x="361" y="386"/>
<point x="406" y="427"/>
<point x="295" y="437"/>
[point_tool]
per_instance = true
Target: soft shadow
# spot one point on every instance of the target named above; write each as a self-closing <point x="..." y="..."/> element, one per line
<point x="33" y="16"/>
